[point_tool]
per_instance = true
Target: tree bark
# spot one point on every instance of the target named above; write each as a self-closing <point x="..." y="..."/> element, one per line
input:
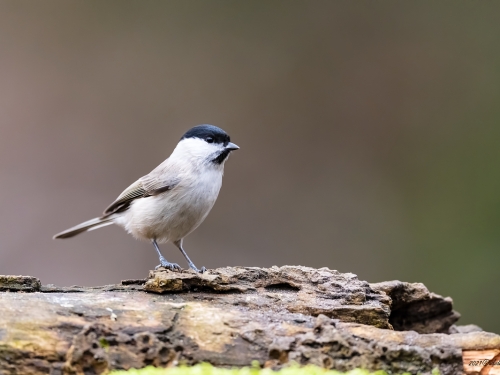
<point x="231" y="317"/>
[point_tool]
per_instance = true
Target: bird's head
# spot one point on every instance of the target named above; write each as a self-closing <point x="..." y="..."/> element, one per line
<point x="205" y="144"/>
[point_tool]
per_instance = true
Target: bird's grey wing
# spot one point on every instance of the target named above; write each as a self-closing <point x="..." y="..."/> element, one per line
<point x="134" y="191"/>
<point x="160" y="181"/>
<point x="149" y="185"/>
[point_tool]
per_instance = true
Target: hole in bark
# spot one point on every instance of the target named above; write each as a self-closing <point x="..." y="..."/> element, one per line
<point x="164" y="352"/>
<point x="314" y="344"/>
<point x="423" y="316"/>
<point x="282" y="287"/>
<point x="280" y="355"/>
<point x="274" y="354"/>
<point x="327" y="362"/>
<point x="336" y="347"/>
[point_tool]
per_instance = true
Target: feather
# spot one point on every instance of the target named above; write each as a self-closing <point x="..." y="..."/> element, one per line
<point x="83" y="227"/>
<point x="152" y="184"/>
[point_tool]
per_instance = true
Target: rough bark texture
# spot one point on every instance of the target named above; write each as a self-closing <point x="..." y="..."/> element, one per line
<point x="230" y="317"/>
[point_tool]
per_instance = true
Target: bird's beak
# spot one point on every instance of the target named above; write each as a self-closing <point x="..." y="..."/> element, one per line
<point x="231" y="146"/>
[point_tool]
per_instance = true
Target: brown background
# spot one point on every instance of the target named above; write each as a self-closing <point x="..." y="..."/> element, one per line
<point x="369" y="135"/>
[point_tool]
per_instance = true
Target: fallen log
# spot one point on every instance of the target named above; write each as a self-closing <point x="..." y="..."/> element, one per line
<point x="231" y="317"/>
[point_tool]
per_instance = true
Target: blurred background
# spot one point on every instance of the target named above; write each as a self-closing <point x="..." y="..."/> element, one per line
<point x="369" y="135"/>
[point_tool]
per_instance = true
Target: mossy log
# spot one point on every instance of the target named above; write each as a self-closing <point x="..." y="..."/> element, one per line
<point x="231" y="317"/>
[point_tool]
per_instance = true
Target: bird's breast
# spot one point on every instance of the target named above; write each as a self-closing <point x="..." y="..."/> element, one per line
<point x="174" y="214"/>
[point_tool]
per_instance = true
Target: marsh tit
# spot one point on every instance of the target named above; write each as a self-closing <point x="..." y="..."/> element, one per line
<point x="173" y="200"/>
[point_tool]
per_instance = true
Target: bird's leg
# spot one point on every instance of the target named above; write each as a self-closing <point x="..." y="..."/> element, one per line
<point x="163" y="261"/>
<point x="191" y="264"/>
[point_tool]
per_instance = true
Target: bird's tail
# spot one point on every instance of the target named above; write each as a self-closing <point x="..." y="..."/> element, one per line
<point x="92" y="224"/>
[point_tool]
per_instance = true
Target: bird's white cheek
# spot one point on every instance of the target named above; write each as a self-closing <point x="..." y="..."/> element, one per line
<point x="195" y="150"/>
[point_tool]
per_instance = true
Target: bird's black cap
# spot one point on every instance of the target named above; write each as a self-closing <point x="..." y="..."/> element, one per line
<point x="204" y="131"/>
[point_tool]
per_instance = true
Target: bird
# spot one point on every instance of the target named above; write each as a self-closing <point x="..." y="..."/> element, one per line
<point x="174" y="198"/>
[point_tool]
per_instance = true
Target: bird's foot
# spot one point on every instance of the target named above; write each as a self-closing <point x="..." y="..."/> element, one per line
<point x="201" y="270"/>
<point x="168" y="265"/>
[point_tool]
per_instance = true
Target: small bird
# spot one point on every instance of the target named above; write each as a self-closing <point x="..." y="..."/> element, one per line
<point x="174" y="198"/>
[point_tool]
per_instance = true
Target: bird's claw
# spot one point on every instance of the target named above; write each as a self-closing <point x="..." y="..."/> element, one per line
<point x="168" y="265"/>
<point x="201" y="270"/>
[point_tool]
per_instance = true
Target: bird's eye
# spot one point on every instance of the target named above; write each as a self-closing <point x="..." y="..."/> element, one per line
<point x="209" y="140"/>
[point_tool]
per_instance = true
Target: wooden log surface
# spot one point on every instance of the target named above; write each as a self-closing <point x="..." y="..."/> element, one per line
<point x="231" y="317"/>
